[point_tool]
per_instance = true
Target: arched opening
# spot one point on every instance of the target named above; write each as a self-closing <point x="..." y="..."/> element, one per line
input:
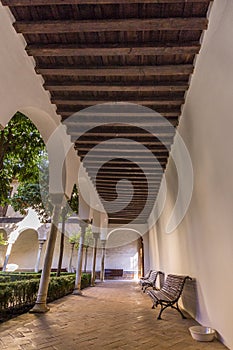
<point x="124" y="252"/>
<point x="24" y="250"/>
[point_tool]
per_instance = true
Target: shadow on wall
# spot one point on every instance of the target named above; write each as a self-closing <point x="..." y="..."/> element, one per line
<point x="189" y="297"/>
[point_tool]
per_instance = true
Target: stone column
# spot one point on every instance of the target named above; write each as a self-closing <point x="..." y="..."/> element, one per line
<point x="41" y="243"/>
<point x="140" y="258"/>
<point x="86" y="255"/>
<point x="77" y="288"/>
<point x="40" y="305"/>
<point x="71" y="256"/>
<point x="96" y="237"/>
<point x="7" y="256"/>
<point x="103" y="243"/>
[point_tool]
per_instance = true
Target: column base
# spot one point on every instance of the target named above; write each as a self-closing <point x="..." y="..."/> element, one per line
<point x="77" y="292"/>
<point x="39" y="309"/>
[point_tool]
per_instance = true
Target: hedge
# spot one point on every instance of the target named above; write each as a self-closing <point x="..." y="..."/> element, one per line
<point x="19" y="296"/>
<point x="19" y="276"/>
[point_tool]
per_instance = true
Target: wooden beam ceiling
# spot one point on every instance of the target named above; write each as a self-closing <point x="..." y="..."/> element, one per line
<point x="91" y="52"/>
<point x="95" y="2"/>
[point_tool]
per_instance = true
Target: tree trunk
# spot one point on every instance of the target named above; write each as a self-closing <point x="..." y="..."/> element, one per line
<point x="3" y="210"/>
<point x="61" y="243"/>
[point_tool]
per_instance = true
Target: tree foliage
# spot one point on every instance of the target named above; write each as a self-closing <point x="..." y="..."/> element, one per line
<point x="2" y="240"/>
<point x="21" y="149"/>
<point x="88" y="238"/>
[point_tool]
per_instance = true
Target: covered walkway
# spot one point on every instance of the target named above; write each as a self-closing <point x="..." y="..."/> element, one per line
<point x="113" y="315"/>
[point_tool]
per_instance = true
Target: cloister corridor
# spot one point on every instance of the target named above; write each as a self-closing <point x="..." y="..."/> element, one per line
<point x="112" y="315"/>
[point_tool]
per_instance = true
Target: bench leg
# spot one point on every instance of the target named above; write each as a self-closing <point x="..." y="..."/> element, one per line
<point x="178" y="309"/>
<point x="162" y="309"/>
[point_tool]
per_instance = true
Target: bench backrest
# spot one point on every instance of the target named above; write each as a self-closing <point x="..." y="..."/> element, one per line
<point x="147" y="275"/>
<point x="153" y="276"/>
<point x="173" y="286"/>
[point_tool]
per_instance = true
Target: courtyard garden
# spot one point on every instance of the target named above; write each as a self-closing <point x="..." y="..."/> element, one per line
<point x="18" y="290"/>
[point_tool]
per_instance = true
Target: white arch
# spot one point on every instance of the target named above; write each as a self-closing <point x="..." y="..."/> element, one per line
<point x="122" y="228"/>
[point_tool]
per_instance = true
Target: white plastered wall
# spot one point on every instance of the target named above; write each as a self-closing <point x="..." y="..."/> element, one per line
<point x="202" y="244"/>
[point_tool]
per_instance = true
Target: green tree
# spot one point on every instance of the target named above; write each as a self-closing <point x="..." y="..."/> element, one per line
<point x="2" y="240"/>
<point x="21" y="149"/>
<point x="36" y="196"/>
<point x="72" y="205"/>
<point x="87" y="242"/>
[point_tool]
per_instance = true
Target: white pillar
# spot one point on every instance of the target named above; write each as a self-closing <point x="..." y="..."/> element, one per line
<point x="7" y="256"/>
<point x="96" y="237"/>
<point x="71" y="256"/>
<point x="77" y="288"/>
<point x="41" y="243"/>
<point x="40" y="305"/>
<point x="103" y="243"/>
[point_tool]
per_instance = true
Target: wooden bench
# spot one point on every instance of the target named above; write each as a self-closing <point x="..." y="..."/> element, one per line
<point x="169" y="294"/>
<point x="147" y="275"/>
<point x="113" y="273"/>
<point x="150" y="281"/>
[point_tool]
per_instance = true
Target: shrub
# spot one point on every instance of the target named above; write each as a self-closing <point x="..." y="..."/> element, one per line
<point x="19" y="296"/>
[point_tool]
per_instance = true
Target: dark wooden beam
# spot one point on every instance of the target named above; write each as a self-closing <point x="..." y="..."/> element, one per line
<point x="94" y="2"/>
<point x="123" y="143"/>
<point x="111" y="25"/>
<point x="176" y="69"/>
<point x="125" y="173"/>
<point x="148" y="48"/>
<point x="148" y="167"/>
<point x="170" y="101"/>
<point x="75" y="135"/>
<point x="145" y="140"/>
<point x="95" y="161"/>
<point x="173" y="114"/>
<point x="125" y="148"/>
<point x="102" y="156"/>
<point x="136" y="181"/>
<point x="141" y="121"/>
<point x="111" y="194"/>
<point x="67" y="86"/>
<point x="123" y="221"/>
<point x="142" y="186"/>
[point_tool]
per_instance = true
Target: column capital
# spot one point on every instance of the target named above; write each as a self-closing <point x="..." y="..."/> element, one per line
<point x="103" y="242"/>
<point x="95" y="235"/>
<point x="84" y="223"/>
<point x="41" y="241"/>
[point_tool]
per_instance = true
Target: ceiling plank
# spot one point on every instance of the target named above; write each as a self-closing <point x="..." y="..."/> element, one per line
<point x="173" y="101"/>
<point x="148" y="48"/>
<point x="111" y="25"/>
<point x="94" y="2"/>
<point x="125" y="148"/>
<point x="164" y="114"/>
<point x="66" y="86"/>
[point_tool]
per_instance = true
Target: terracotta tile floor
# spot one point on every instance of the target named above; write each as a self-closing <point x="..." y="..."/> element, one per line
<point x="113" y="315"/>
